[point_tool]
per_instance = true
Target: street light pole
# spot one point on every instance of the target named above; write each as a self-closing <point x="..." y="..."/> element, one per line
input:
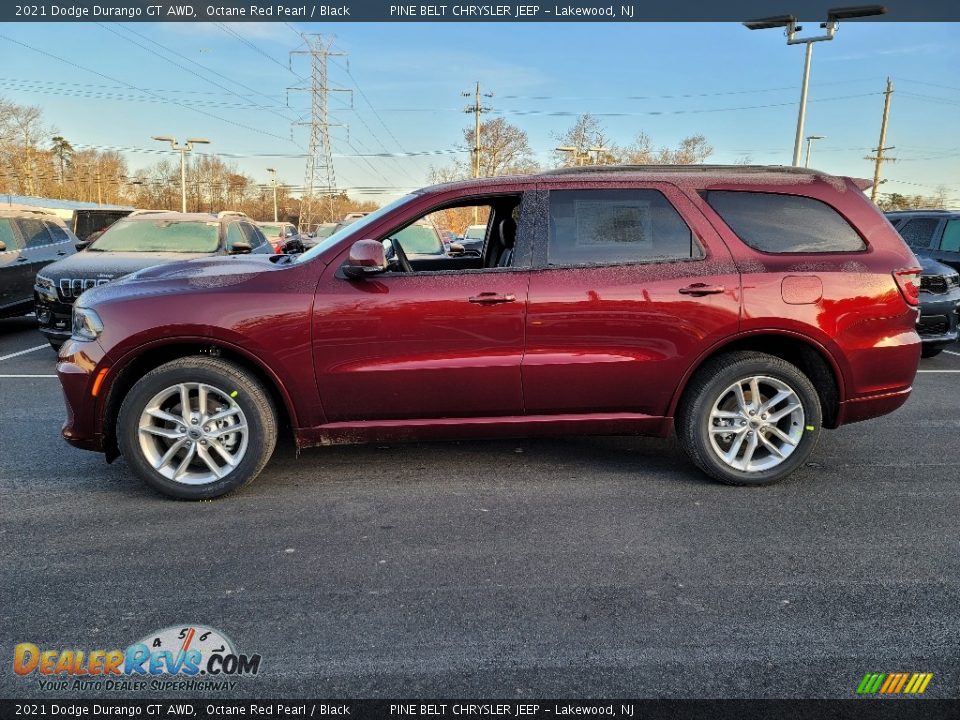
<point x="273" y="180"/>
<point x="810" y="139"/>
<point x="802" y="115"/>
<point x="183" y="150"/>
<point x="789" y="22"/>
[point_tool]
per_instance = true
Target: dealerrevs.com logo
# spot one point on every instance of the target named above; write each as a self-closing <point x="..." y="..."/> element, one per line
<point x="185" y="658"/>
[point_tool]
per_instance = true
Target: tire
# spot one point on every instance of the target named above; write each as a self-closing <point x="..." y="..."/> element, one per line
<point x="56" y="346"/>
<point x="238" y="421"/>
<point x="712" y="391"/>
<point x="929" y="352"/>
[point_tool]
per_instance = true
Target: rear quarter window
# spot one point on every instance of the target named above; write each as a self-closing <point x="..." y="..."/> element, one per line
<point x="774" y="223"/>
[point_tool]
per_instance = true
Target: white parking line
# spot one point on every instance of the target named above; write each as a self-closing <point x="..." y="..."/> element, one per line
<point x="27" y="376"/>
<point x="938" y="371"/>
<point x="24" y="352"/>
<point x="951" y="352"/>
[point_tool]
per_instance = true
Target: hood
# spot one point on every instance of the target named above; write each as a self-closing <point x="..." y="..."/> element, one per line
<point x="225" y="268"/>
<point x="108" y="265"/>
<point x="932" y="267"/>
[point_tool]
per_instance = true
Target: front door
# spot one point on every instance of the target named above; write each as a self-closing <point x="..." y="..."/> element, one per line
<point x="431" y="343"/>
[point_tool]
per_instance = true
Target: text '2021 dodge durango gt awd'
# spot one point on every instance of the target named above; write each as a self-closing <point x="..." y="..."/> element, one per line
<point x="744" y="308"/>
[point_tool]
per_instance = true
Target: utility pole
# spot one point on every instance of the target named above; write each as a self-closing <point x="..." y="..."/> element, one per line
<point x="810" y="139"/>
<point x="477" y="108"/>
<point x="880" y="158"/>
<point x="319" y="173"/>
<point x="99" y="186"/>
<point x="273" y="181"/>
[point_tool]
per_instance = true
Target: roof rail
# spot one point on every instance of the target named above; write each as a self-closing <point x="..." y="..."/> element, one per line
<point x="148" y="212"/>
<point x="737" y="169"/>
<point x="231" y="213"/>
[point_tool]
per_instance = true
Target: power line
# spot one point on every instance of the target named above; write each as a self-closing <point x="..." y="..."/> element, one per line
<point x="138" y="89"/>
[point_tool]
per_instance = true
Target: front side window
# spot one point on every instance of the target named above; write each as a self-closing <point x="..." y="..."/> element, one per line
<point x="159" y="235"/>
<point x="606" y="227"/>
<point x="918" y="233"/>
<point x="7" y="236"/>
<point x="950" y="242"/>
<point x="774" y="223"/>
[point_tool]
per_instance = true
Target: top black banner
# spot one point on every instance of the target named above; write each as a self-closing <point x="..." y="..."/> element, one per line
<point x="467" y="11"/>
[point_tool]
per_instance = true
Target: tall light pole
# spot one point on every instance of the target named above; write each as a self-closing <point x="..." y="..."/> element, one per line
<point x="273" y="181"/>
<point x="183" y="150"/>
<point x="789" y="22"/>
<point x="810" y="139"/>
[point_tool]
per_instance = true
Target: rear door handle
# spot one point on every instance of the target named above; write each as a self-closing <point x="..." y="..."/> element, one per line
<point x="22" y="259"/>
<point x="698" y="289"/>
<point x="62" y="252"/>
<point x="492" y="298"/>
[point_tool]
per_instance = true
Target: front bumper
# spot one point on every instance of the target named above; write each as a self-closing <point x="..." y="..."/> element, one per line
<point x="939" y="319"/>
<point x="77" y="366"/>
<point x="54" y="316"/>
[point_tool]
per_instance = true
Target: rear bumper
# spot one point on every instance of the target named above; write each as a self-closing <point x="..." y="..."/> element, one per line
<point x="866" y="408"/>
<point x="76" y="368"/>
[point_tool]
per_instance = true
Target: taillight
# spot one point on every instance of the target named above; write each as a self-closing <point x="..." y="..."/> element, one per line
<point x="908" y="280"/>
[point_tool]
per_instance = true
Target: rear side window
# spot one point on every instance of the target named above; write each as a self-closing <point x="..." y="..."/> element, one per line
<point x="951" y="237"/>
<point x="34" y="232"/>
<point x="606" y="227"/>
<point x="919" y="232"/>
<point x="253" y="235"/>
<point x="774" y="223"/>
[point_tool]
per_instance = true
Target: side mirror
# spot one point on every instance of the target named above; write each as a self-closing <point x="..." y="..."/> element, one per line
<point x="240" y="248"/>
<point x="82" y="245"/>
<point x="456" y="250"/>
<point x="367" y="257"/>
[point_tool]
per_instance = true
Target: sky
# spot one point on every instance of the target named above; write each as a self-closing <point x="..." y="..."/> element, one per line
<point x="115" y="85"/>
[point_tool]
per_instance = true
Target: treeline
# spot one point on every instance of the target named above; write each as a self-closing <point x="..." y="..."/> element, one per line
<point x="35" y="160"/>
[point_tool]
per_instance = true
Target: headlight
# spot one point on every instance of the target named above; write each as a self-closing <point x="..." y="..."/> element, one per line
<point x="86" y="324"/>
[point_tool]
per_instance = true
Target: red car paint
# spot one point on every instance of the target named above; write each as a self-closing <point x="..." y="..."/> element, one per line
<point x="597" y="350"/>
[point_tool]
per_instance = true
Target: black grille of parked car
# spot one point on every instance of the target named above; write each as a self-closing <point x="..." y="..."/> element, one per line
<point x="934" y="283"/>
<point x="72" y="287"/>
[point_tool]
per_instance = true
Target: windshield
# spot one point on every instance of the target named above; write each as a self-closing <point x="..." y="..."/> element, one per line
<point x="352" y="228"/>
<point x="272" y="230"/>
<point x="159" y="235"/>
<point x="419" y="240"/>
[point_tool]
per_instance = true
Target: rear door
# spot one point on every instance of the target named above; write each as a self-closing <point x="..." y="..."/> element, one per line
<point x="630" y="285"/>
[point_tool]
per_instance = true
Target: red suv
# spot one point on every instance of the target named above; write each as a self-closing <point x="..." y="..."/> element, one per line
<point x="744" y="308"/>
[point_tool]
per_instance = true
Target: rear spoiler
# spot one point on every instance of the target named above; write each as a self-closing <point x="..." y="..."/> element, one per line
<point x="863" y="183"/>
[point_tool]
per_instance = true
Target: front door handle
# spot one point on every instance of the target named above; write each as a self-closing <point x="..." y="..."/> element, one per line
<point x="492" y="298"/>
<point x="699" y="289"/>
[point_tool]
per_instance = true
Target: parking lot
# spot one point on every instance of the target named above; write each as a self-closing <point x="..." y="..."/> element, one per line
<point x="581" y="567"/>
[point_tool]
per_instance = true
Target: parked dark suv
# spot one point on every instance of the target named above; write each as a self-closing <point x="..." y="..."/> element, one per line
<point x="29" y="240"/>
<point x="142" y="239"/>
<point x="934" y="235"/>
<point x="744" y="308"/>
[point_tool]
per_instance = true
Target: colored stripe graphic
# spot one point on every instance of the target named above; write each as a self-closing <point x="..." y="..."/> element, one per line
<point x="894" y="683"/>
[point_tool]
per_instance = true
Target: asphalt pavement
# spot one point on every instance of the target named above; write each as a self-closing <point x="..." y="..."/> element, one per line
<point x="581" y="567"/>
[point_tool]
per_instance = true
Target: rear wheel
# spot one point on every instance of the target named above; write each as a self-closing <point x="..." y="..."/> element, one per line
<point x="749" y="418"/>
<point x="197" y="428"/>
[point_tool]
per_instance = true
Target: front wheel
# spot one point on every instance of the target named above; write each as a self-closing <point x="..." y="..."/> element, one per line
<point x="749" y="418"/>
<point x="197" y="428"/>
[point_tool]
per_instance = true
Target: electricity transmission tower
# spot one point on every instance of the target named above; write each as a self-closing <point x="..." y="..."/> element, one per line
<point x="320" y="176"/>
